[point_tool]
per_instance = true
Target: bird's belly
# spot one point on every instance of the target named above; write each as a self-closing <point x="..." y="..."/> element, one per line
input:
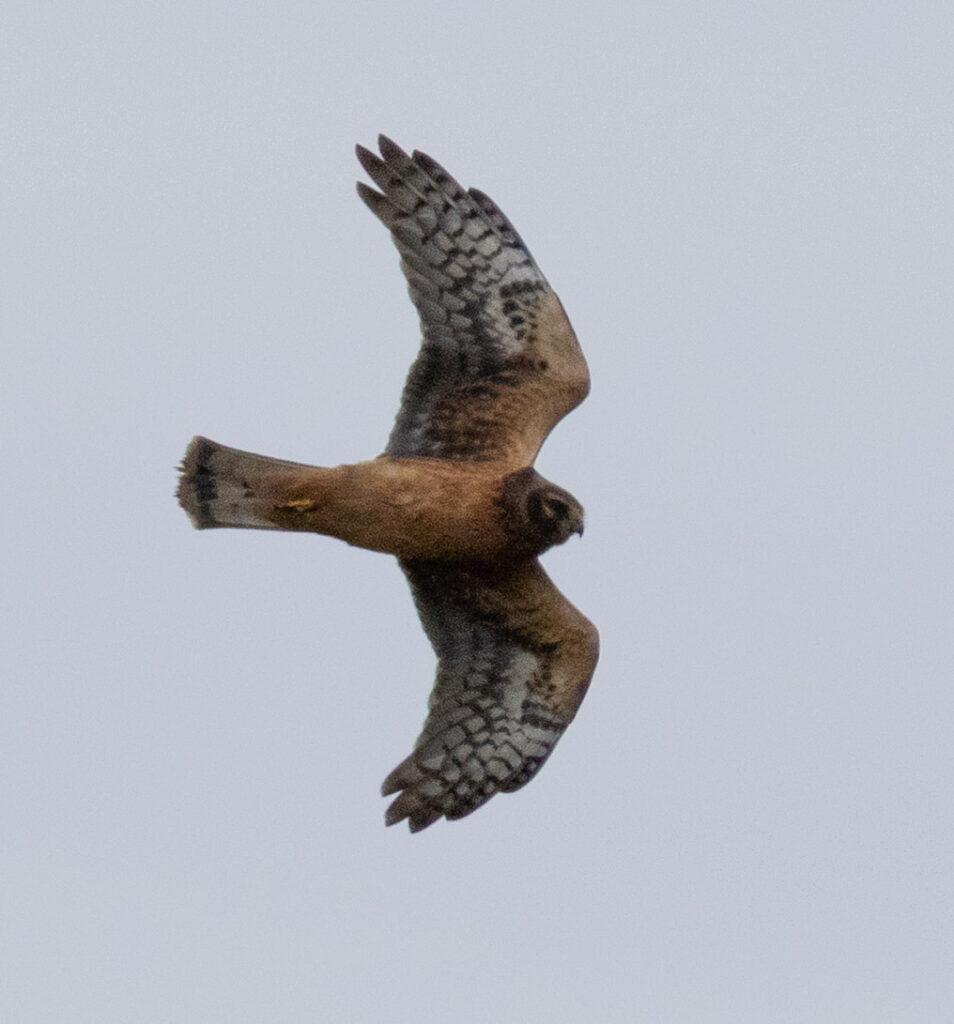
<point x="412" y="508"/>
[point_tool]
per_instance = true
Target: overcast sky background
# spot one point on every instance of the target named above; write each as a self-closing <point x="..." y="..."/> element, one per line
<point x="747" y="210"/>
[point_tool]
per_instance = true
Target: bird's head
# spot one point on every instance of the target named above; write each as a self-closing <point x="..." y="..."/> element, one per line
<point x="539" y="514"/>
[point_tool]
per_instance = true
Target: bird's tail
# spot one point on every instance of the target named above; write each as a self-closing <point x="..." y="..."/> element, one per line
<point x="222" y="486"/>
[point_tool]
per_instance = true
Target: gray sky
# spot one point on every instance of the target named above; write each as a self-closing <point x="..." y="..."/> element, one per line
<point x="748" y="213"/>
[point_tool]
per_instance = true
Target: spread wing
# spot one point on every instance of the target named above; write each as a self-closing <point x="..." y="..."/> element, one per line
<point x="515" y="659"/>
<point x="499" y="364"/>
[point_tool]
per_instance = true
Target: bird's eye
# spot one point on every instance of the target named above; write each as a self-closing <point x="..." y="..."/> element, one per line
<point x="558" y="509"/>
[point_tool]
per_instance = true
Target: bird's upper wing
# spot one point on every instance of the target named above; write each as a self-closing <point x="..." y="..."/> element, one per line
<point x="515" y="659"/>
<point x="499" y="364"/>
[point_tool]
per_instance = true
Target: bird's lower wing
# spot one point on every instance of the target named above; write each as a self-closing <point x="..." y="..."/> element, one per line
<point x="515" y="659"/>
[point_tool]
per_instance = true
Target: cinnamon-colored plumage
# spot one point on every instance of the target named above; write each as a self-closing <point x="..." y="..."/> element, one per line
<point x="454" y="496"/>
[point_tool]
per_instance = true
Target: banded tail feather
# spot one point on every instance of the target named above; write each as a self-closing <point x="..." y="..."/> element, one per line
<point x="221" y="486"/>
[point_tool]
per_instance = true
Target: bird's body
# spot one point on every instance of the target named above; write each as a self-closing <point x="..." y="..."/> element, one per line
<point x="454" y="496"/>
<point x="412" y="508"/>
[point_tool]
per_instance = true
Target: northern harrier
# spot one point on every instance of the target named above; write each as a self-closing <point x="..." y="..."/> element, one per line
<point x="454" y="496"/>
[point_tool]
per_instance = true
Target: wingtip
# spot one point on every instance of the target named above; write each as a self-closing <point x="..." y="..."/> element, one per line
<point x="392" y="816"/>
<point x="387" y="147"/>
<point x="391" y="785"/>
<point x="376" y="202"/>
<point x="408" y="804"/>
<point x="371" y="162"/>
<point x="418" y="818"/>
<point x="390" y="150"/>
<point x="408" y="807"/>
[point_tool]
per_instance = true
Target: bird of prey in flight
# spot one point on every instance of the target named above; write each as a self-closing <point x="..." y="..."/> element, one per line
<point x="454" y="495"/>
